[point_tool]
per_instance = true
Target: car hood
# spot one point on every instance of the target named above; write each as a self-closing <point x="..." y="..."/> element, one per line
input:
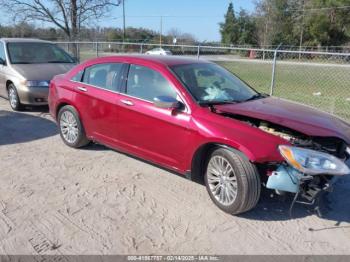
<point x="42" y="71"/>
<point x="303" y="119"/>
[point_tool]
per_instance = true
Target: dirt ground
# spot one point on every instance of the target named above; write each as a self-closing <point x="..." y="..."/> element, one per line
<point x="58" y="200"/>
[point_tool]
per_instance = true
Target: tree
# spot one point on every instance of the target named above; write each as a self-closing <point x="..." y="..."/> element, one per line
<point x="182" y="38"/>
<point x="303" y="22"/>
<point x="113" y="35"/>
<point x="330" y="25"/>
<point x="67" y="15"/>
<point x="229" y="29"/>
<point x="247" y="29"/>
<point x="174" y="32"/>
<point x="276" y="22"/>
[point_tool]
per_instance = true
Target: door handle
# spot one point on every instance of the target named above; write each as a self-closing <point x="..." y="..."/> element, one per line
<point x="82" y="89"/>
<point x="127" y="102"/>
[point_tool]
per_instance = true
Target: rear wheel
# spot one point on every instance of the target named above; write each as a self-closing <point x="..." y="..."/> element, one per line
<point x="15" y="103"/>
<point x="71" y="129"/>
<point x="232" y="182"/>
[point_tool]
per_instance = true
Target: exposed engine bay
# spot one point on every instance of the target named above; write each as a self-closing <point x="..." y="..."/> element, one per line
<point x="330" y="145"/>
<point x="283" y="177"/>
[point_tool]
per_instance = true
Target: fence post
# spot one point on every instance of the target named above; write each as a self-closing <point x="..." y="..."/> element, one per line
<point x="141" y="48"/>
<point x="272" y="87"/>
<point x="96" y="49"/>
<point x="78" y="50"/>
<point x="198" y="51"/>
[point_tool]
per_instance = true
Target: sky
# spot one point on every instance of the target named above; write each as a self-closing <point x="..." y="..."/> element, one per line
<point x="198" y="17"/>
<point x="201" y="18"/>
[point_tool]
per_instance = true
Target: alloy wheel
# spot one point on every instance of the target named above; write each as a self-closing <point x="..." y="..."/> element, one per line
<point x="69" y="127"/>
<point x="222" y="180"/>
<point x="13" y="98"/>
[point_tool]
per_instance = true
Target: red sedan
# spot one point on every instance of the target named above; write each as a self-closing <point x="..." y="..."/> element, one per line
<point x="199" y="120"/>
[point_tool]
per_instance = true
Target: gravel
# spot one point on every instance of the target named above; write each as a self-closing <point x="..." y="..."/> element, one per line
<point x="58" y="200"/>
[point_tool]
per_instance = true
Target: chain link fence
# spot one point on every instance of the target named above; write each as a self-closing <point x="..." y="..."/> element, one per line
<point x="317" y="79"/>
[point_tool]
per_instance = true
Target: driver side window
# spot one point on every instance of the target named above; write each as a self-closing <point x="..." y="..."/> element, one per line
<point x="146" y="84"/>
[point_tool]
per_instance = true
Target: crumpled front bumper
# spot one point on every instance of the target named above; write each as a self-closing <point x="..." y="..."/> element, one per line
<point x="308" y="188"/>
<point x="288" y="179"/>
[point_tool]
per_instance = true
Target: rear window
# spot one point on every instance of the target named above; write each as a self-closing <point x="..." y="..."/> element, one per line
<point x="103" y="75"/>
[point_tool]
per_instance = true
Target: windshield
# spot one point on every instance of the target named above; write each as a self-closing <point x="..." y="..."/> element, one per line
<point x="37" y="53"/>
<point x="211" y="84"/>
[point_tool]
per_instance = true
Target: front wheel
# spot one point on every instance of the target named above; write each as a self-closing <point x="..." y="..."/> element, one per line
<point x="71" y="129"/>
<point x="13" y="97"/>
<point x="232" y="182"/>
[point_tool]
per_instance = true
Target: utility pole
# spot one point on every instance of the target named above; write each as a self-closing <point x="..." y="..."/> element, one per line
<point x="123" y="21"/>
<point x="265" y="32"/>
<point x="161" y="31"/>
<point x="301" y="29"/>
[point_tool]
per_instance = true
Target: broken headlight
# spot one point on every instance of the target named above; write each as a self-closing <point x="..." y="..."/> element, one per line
<point x="313" y="162"/>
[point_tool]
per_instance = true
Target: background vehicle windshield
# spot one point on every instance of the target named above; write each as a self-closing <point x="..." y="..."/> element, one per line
<point x="37" y="53"/>
<point x="211" y="83"/>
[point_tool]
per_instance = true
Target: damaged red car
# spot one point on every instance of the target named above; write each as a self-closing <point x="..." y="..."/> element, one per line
<point x="199" y="120"/>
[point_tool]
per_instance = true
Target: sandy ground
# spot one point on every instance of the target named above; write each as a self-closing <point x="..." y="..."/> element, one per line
<point x="58" y="200"/>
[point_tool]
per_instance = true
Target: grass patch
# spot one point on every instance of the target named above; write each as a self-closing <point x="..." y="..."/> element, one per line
<point x="325" y="87"/>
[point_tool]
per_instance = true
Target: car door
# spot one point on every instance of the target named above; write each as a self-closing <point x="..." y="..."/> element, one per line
<point x="3" y="91"/>
<point x="157" y="134"/>
<point x="98" y="95"/>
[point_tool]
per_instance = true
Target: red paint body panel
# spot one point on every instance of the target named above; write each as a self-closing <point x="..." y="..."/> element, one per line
<point x="295" y="116"/>
<point x="171" y="138"/>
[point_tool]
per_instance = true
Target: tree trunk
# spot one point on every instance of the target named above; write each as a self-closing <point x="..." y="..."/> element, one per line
<point x="74" y="26"/>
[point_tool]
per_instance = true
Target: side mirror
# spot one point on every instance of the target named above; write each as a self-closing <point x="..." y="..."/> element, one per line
<point x="167" y="102"/>
<point x="2" y="62"/>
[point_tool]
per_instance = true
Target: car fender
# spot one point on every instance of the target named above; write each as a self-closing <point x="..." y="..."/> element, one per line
<point x="257" y="145"/>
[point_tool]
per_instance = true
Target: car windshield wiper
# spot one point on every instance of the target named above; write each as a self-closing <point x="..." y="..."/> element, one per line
<point x="256" y="96"/>
<point x="216" y="102"/>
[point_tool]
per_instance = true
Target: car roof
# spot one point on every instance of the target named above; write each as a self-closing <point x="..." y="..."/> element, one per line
<point x="23" y="40"/>
<point x="154" y="59"/>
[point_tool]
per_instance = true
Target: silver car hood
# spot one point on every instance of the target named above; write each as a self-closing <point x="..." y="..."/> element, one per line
<point x="42" y="71"/>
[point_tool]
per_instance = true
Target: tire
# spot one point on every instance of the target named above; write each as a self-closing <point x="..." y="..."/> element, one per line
<point x="13" y="97"/>
<point x="71" y="129"/>
<point x="237" y="177"/>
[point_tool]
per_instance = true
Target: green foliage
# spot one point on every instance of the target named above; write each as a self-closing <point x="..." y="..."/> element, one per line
<point x="240" y="30"/>
<point x="276" y="17"/>
<point x="309" y="22"/>
<point x="329" y="26"/>
<point x="229" y="29"/>
<point x="247" y="29"/>
<point x="113" y="35"/>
